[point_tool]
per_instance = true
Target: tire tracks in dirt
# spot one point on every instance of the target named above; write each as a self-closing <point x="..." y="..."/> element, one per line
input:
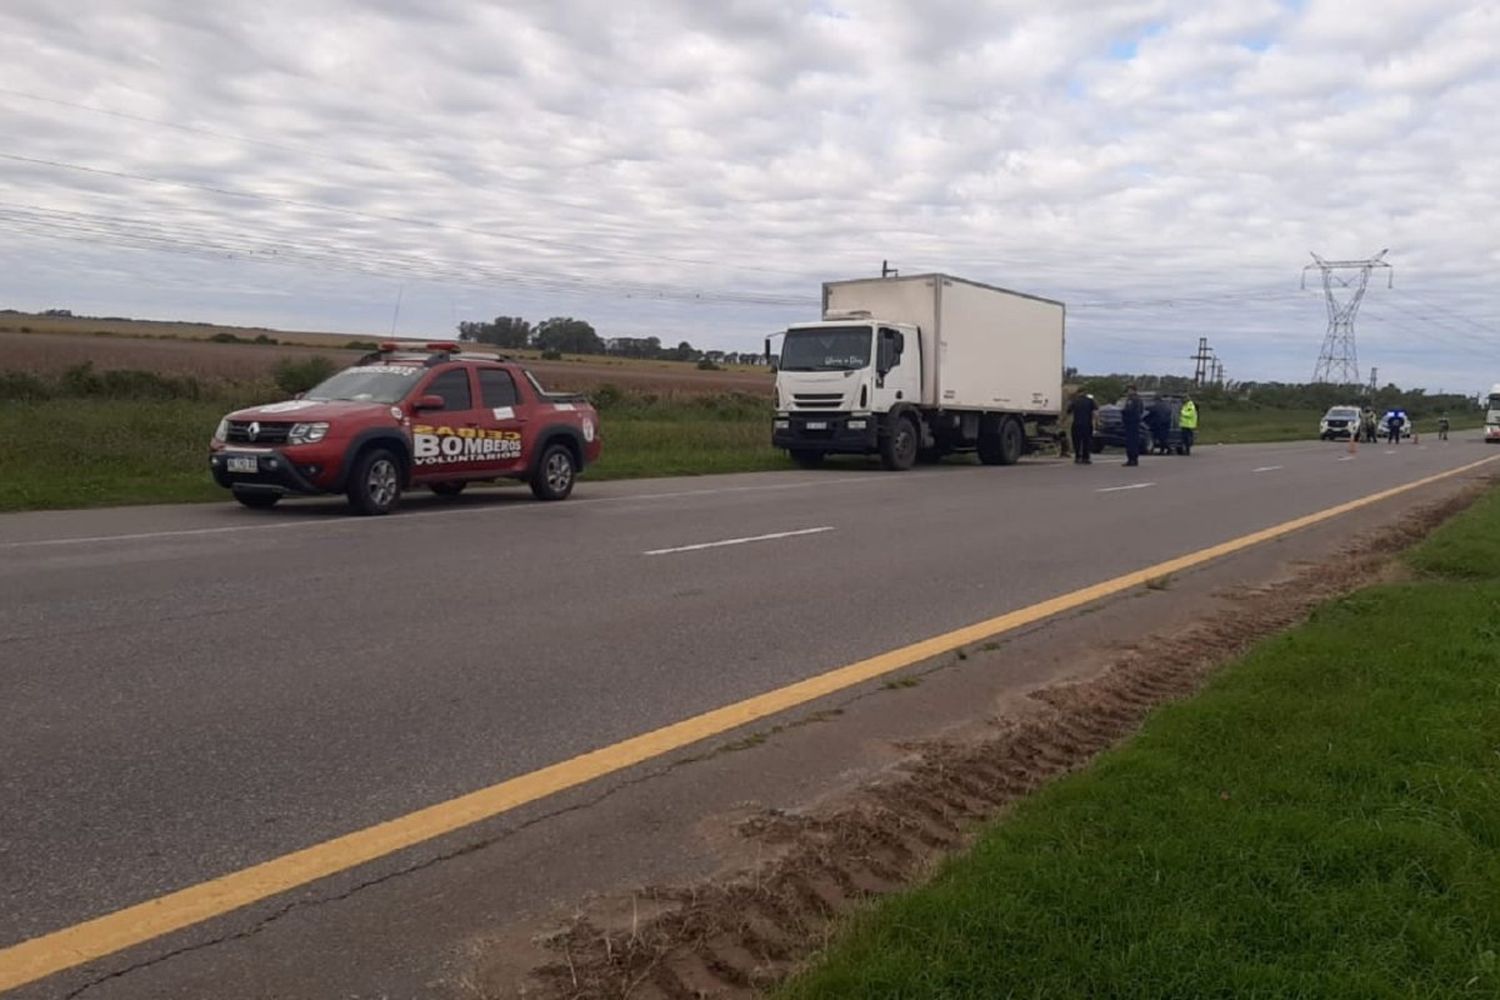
<point x="736" y="935"/>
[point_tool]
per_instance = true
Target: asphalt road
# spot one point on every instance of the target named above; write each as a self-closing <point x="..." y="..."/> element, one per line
<point x="185" y="691"/>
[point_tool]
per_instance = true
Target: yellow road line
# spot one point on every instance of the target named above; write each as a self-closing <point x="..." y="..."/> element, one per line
<point x="93" y="939"/>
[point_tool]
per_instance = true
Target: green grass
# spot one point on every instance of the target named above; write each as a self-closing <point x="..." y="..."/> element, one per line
<point x="1250" y="426"/>
<point x="97" y="452"/>
<point x="1323" y="821"/>
<point x="81" y="452"/>
<point x="84" y="453"/>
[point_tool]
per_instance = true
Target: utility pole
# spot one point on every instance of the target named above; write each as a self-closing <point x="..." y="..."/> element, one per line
<point x="1373" y="383"/>
<point x="1337" y="361"/>
<point x="1218" y="372"/>
<point x="1203" y="357"/>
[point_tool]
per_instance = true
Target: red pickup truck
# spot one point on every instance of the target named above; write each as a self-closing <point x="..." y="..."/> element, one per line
<point x="401" y="418"/>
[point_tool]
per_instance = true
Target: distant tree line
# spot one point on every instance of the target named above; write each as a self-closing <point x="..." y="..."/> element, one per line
<point x="1278" y="395"/>
<point x="566" y="335"/>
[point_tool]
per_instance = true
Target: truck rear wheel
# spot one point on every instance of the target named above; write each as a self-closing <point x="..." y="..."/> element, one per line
<point x="898" y="451"/>
<point x="1004" y="445"/>
<point x="806" y="459"/>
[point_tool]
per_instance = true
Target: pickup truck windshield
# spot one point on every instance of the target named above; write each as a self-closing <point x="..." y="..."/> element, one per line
<point x="1343" y="414"/>
<point x="368" y="383"/>
<point x="828" y="349"/>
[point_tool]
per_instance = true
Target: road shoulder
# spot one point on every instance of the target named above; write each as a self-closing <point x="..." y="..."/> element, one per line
<point x="507" y="898"/>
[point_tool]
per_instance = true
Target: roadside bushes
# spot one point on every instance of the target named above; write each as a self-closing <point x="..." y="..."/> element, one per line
<point x="83" y="382"/>
<point x="294" y="375"/>
<point x="128" y="384"/>
<point x="230" y="338"/>
<point x="611" y="399"/>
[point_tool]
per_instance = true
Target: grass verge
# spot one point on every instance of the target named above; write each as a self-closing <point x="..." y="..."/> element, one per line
<point x="1323" y="820"/>
<point x="98" y="449"/>
<point x="97" y="452"/>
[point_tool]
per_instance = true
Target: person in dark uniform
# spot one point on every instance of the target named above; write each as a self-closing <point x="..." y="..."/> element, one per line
<point x="1393" y="422"/>
<point x="1130" y="419"/>
<point x="1159" y="420"/>
<point x="1082" y="408"/>
<point x="1443" y="426"/>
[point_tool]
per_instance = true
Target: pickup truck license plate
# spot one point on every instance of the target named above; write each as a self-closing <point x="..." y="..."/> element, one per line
<point x="244" y="463"/>
<point x="817" y="425"/>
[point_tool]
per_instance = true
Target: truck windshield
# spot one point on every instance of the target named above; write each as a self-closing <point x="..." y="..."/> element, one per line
<point x="827" y="349"/>
<point x="372" y="383"/>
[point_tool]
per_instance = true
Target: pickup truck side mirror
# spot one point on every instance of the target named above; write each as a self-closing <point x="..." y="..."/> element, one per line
<point x="430" y="401"/>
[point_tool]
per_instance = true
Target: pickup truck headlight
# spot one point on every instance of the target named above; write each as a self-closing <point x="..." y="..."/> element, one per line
<point x="306" y="433"/>
<point x="221" y="432"/>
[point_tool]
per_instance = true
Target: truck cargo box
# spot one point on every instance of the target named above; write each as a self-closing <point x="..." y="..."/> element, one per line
<point x="983" y="348"/>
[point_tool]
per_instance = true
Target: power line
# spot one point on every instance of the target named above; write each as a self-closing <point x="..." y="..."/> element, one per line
<point x="593" y="250"/>
<point x="248" y="246"/>
<point x="176" y="126"/>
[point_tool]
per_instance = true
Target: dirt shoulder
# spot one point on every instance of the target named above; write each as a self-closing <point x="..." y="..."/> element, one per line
<point x="740" y="931"/>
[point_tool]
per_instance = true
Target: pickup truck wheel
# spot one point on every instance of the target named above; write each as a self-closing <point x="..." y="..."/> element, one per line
<point x="806" y="459"/>
<point x="259" y="499"/>
<point x="898" y="452"/>
<point x="555" y="474"/>
<point x="447" y="489"/>
<point x="375" y="482"/>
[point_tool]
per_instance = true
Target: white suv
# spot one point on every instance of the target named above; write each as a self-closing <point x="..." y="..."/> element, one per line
<point x="1339" y="422"/>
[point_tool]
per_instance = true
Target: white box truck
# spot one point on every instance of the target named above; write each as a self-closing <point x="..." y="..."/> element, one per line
<point x="917" y="367"/>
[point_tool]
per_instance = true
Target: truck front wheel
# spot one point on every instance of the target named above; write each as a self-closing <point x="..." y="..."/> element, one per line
<point x="898" y="451"/>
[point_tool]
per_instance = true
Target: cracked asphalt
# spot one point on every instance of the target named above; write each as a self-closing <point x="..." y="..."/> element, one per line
<point x="188" y="691"/>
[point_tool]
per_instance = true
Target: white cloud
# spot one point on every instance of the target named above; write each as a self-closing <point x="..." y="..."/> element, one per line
<point x="696" y="169"/>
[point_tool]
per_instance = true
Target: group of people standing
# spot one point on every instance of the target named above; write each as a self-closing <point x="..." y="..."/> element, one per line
<point x="1136" y="421"/>
<point x="1396" y="425"/>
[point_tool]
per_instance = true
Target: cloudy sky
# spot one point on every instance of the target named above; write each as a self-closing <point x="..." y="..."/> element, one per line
<point x="695" y="170"/>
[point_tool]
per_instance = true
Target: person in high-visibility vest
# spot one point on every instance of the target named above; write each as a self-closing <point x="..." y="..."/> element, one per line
<point x="1187" y="421"/>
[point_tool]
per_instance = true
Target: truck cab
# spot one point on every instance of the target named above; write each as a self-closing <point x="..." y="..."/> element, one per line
<point x="839" y="382"/>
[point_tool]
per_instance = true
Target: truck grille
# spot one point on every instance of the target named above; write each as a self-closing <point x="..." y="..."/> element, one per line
<point x="817" y="400"/>
<point x="267" y="432"/>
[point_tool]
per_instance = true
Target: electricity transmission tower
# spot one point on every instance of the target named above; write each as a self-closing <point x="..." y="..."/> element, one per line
<point x="1338" y="362"/>
<point x="1203" y="357"/>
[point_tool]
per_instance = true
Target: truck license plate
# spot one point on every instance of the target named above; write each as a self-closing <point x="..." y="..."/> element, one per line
<point x="817" y="425"/>
<point x="244" y="463"/>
